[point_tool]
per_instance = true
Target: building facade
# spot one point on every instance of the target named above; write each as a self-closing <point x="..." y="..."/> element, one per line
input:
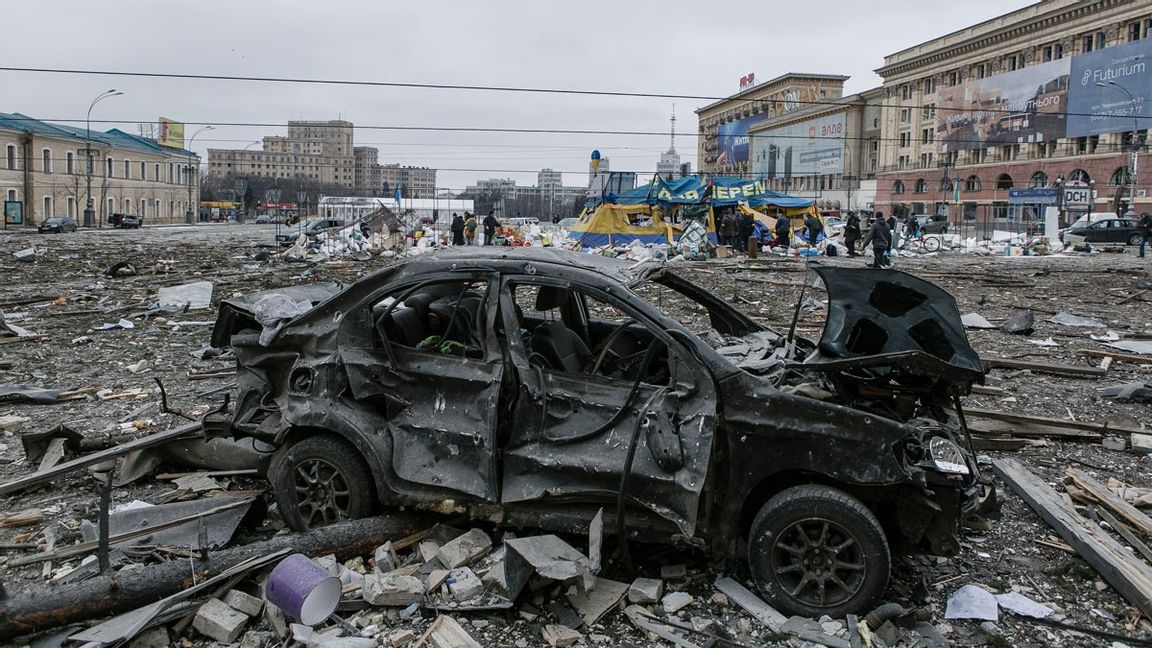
<point x="44" y="170"/>
<point x="1054" y="93"/>
<point x="323" y="152"/>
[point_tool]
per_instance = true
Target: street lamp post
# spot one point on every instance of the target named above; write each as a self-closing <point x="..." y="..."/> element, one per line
<point x="192" y="173"/>
<point x="1132" y="144"/>
<point x="89" y="212"/>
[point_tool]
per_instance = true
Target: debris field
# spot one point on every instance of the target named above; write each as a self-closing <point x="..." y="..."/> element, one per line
<point x="106" y="481"/>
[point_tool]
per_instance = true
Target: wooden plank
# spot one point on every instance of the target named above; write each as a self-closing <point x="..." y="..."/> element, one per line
<point x="1107" y="498"/>
<point x="1099" y="428"/>
<point x="1043" y="367"/>
<point x="1129" y="576"/>
<point x="999" y="428"/>
<point x="1116" y="356"/>
<point x="751" y="603"/>
<point x="183" y="432"/>
<point x="1126" y="533"/>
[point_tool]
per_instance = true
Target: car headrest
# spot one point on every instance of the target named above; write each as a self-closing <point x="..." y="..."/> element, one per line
<point x="550" y="297"/>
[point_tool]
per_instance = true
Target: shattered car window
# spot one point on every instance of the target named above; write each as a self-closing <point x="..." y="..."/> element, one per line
<point x="443" y="317"/>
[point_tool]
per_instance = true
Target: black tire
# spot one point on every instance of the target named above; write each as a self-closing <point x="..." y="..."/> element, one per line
<point x="320" y="480"/>
<point x="795" y="536"/>
<point x="1135" y="239"/>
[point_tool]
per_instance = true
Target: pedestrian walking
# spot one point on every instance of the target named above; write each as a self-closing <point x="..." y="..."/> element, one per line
<point x="457" y="228"/>
<point x="470" y="229"/>
<point x="783" y="230"/>
<point x="728" y="227"/>
<point x="893" y="233"/>
<point x="490" y="225"/>
<point x="851" y="233"/>
<point x="1146" y="230"/>
<point x="743" y="231"/>
<point x="879" y="236"/>
<point x="814" y="228"/>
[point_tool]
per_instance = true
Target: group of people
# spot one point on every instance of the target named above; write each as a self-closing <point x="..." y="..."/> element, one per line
<point x="464" y="228"/>
<point x="734" y="229"/>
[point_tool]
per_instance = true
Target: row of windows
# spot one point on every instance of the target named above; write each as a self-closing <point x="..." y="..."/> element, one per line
<point x="12" y="162"/>
<point x="1120" y="177"/>
<point x="1132" y="31"/>
<point x="146" y="207"/>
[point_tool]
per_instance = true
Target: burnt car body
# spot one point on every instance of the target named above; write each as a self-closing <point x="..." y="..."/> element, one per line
<point x="537" y="387"/>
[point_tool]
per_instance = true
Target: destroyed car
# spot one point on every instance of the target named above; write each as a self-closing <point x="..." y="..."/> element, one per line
<point x="535" y="387"/>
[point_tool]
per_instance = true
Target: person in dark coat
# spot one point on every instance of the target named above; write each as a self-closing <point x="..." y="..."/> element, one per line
<point x="1145" y="229"/>
<point x="743" y="231"/>
<point x="783" y="230"/>
<point x="880" y="237"/>
<point x="490" y="225"/>
<point x="814" y="227"/>
<point x="851" y="233"/>
<point x="457" y="228"/>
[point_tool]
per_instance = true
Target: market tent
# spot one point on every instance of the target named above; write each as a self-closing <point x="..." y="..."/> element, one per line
<point x="620" y="224"/>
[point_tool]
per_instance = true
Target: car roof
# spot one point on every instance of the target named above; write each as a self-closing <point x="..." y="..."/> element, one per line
<point x="513" y="258"/>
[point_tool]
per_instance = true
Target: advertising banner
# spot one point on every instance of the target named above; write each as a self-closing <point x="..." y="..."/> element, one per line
<point x="171" y="133"/>
<point x="808" y="148"/>
<point x="13" y="212"/>
<point x="1023" y="106"/>
<point x="1102" y="81"/>
<point x="732" y="139"/>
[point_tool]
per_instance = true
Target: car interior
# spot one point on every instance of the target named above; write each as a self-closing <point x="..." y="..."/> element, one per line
<point x="445" y="318"/>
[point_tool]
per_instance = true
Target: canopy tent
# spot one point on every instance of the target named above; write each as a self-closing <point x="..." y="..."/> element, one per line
<point x="620" y="224"/>
<point x="718" y="191"/>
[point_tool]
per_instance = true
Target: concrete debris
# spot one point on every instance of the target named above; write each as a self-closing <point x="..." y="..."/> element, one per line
<point x="1022" y="324"/>
<point x="1141" y="347"/>
<point x="392" y="591"/>
<point x="27" y="255"/>
<point x="645" y="590"/>
<point x="1137" y="392"/>
<point x="244" y="602"/>
<point x="1068" y="319"/>
<point x="216" y="620"/>
<point x="676" y="601"/>
<point x="559" y="636"/>
<point x="386" y="559"/>
<point x="190" y="296"/>
<point x="464" y="584"/>
<point x="465" y="549"/>
<point x="972" y="602"/>
<point x="976" y="321"/>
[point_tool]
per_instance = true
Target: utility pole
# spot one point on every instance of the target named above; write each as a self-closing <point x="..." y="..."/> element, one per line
<point x="1133" y="144"/>
<point x="89" y="212"/>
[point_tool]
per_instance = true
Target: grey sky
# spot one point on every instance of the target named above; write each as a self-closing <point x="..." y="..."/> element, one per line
<point x="672" y="47"/>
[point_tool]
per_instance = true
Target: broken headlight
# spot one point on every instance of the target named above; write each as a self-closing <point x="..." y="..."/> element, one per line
<point x="946" y="456"/>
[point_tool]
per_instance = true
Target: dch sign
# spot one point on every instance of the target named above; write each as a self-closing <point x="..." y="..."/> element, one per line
<point x="1077" y="197"/>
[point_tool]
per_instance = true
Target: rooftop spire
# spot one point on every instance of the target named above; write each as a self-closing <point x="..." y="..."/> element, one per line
<point x="672" y="148"/>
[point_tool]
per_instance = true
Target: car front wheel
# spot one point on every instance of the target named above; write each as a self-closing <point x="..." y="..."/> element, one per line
<point x="1134" y="239"/>
<point x="815" y="550"/>
<point x="320" y="480"/>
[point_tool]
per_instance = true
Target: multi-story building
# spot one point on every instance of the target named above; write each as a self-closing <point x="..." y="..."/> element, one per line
<point x="1053" y="93"/>
<point x="323" y="153"/>
<point x="549" y="195"/>
<point x="44" y="170"/>
<point x="800" y="134"/>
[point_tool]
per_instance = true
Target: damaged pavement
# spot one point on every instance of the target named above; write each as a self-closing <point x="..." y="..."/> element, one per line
<point x="108" y="478"/>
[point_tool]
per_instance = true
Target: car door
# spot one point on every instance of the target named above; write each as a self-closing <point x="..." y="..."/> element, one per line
<point x="425" y="358"/>
<point x="587" y="430"/>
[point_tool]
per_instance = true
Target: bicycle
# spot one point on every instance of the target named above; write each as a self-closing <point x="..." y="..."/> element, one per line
<point x="920" y="243"/>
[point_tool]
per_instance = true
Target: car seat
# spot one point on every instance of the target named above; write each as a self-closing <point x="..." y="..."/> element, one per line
<point x="406" y="324"/>
<point x="559" y="347"/>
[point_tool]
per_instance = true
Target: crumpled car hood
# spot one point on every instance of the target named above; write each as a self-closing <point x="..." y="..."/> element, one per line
<point x="888" y="318"/>
<point x="236" y="313"/>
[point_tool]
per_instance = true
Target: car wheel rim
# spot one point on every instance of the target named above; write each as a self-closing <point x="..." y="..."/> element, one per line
<point x="818" y="562"/>
<point x="322" y="493"/>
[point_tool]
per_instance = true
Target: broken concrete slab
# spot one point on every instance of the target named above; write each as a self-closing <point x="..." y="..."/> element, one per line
<point x="675" y="601"/>
<point x="645" y="590"/>
<point x="243" y="602"/>
<point x="559" y="636"/>
<point x="216" y="620"/>
<point x="1141" y="443"/>
<point x="602" y="597"/>
<point x="548" y="556"/>
<point x="446" y="632"/>
<point x="465" y="549"/>
<point x="386" y="558"/>
<point x="392" y="591"/>
<point x="464" y="584"/>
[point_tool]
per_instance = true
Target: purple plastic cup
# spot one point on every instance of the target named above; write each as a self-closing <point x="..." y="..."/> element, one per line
<point x="303" y="589"/>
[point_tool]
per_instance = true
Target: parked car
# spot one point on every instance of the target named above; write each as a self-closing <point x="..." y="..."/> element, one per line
<point x="833" y="225"/>
<point x="538" y="387"/>
<point x="934" y="224"/>
<point x="1106" y="230"/>
<point x="309" y="229"/>
<point x="57" y="225"/>
<point x="567" y="223"/>
<point x="125" y="221"/>
<point x="263" y="219"/>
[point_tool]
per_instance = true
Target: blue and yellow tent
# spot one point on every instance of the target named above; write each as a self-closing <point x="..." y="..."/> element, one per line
<point x="655" y="213"/>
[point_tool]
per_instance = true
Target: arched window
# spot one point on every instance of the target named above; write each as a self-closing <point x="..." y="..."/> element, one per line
<point x="1039" y="180"/>
<point x="1080" y="175"/>
<point x="1004" y="182"/>
<point x="898" y="187"/>
<point x="921" y="186"/>
<point x="972" y="183"/>
<point x="1120" y="178"/>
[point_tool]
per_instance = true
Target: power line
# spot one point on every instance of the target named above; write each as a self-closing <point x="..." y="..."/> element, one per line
<point x="489" y="88"/>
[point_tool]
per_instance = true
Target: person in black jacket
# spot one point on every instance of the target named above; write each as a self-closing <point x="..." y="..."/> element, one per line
<point x="851" y="233"/>
<point x="1145" y="231"/>
<point x="490" y="225"/>
<point x="880" y="237"/>
<point x="457" y="229"/>
<point x="783" y="231"/>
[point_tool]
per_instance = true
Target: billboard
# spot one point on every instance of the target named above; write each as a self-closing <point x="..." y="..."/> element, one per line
<point x="171" y="133"/>
<point x="807" y="148"/>
<point x="732" y="139"/>
<point x="1023" y="106"/>
<point x="1122" y="70"/>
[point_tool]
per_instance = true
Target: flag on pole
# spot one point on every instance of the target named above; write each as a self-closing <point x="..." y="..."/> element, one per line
<point x="398" y="196"/>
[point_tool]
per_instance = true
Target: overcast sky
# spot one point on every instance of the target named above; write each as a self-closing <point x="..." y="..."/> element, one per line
<point x="673" y="47"/>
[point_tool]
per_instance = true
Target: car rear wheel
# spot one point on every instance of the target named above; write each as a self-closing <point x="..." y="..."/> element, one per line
<point x="1134" y="239"/>
<point x="321" y="480"/>
<point x="815" y="550"/>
